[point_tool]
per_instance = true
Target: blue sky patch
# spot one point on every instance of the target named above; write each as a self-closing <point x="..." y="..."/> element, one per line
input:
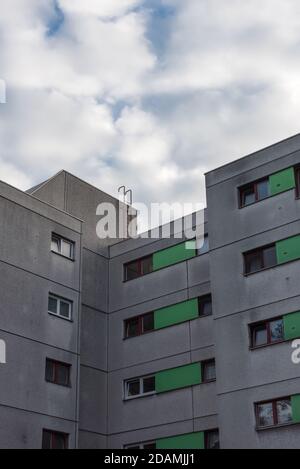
<point x="159" y="24"/>
<point x="56" y="21"/>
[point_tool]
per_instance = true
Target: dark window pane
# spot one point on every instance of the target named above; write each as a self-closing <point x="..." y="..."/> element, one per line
<point x="49" y="371"/>
<point x="62" y="374"/>
<point x="248" y="196"/>
<point x="269" y="257"/>
<point x="52" y="305"/>
<point x="57" y="373"/>
<point x="46" y="439"/>
<point x="276" y="330"/>
<point x="132" y="327"/>
<point x="284" y="411"/>
<point x="265" y="415"/>
<point x="149" y="384"/>
<point x="65" y="309"/>
<point x="59" y="441"/>
<point x="132" y="270"/>
<point x="54" y="440"/>
<point x="148" y="322"/>
<point x="254" y="262"/>
<point x="133" y="388"/>
<point x="212" y="440"/>
<point x="205" y="306"/>
<point x="149" y="446"/>
<point x="260" y="335"/>
<point x="262" y="188"/>
<point x="209" y="371"/>
<point x="147" y="265"/>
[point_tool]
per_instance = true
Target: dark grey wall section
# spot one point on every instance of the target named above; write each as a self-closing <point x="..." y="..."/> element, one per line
<point x="29" y="272"/>
<point x="244" y="376"/>
<point x="93" y="400"/>
<point x="89" y="440"/>
<point x="20" y="429"/>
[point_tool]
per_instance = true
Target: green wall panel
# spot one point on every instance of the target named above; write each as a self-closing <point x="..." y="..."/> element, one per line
<point x="189" y="441"/>
<point x="171" y="256"/>
<point x="282" y="181"/>
<point x="296" y="408"/>
<point x="292" y="326"/>
<point x="176" y="314"/>
<point x="288" y="249"/>
<point x="176" y="378"/>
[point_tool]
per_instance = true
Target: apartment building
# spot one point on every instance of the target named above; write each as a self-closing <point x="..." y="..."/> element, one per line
<point x="143" y="343"/>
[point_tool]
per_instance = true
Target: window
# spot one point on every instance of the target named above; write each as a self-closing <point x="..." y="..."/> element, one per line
<point x="254" y="192"/>
<point x="267" y="333"/>
<point x="60" y="307"/>
<point x="205" y="246"/>
<point x="212" y="439"/>
<point x="62" y="246"/>
<point x="55" y="440"/>
<point x="138" y="268"/>
<point x="147" y="446"/>
<point x="297" y="177"/>
<point x="274" y="413"/>
<point x="208" y="371"/>
<point x="205" y="305"/>
<point x="139" y="387"/>
<point x="57" y="372"/>
<point x="260" y="259"/>
<point x="139" y="325"/>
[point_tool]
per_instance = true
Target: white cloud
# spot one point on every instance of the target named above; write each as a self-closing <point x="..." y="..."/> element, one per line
<point x="101" y="8"/>
<point x="95" y="98"/>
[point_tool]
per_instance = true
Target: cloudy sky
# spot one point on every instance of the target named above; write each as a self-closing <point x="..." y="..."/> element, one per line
<point x="147" y="93"/>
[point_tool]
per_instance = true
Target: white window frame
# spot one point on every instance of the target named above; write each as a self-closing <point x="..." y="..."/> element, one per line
<point x="61" y="240"/>
<point x="141" y="383"/>
<point x="59" y="300"/>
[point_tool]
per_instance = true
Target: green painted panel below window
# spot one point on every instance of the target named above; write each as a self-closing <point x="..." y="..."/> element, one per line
<point x="282" y="181"/>
<point x="176" y="378"/>
<point x="288" y="249"/>
<point x="173" y="255"/>
<point x="292" y="326"/>
<point x="188" y="441"/>
<point x="296" y="408"/>
<point x="175" y="314"/>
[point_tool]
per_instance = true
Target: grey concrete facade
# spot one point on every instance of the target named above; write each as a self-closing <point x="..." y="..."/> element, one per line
<point x="93" y="411"/>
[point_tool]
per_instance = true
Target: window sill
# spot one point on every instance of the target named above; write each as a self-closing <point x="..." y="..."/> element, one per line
<point x="275" y="427"/>
<point x="128" y="399"/>
<point x="72" y="259"/>
<point x="272" y="267"/>
<point x="166" y="327"/>
<point x="59" y="317"/>
<point x="241" y="207"/>
<point x="133" y="398"/>
<point x="67" y="386"/>
<point x="165" y="267"/>
<point x="208" y="381"/>
<point x="262" y="270"/>
<point x="252" y="349"/>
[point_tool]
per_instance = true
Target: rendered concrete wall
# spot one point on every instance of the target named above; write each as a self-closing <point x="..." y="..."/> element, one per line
<point x="29" y="271"/>
<point x="247" y="376"/>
